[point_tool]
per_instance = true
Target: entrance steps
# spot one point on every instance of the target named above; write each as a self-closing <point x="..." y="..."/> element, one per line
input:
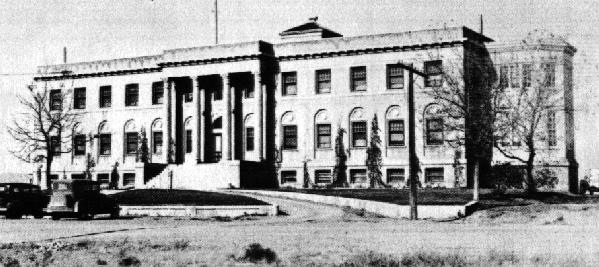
<point x="203" y="176"/>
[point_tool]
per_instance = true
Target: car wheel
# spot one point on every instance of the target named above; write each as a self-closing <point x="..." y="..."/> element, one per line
<point x="55" y="217"/>
<point x="14" y="210"/>
<point x="115" y="214"/>
<point x="38" y="214"/>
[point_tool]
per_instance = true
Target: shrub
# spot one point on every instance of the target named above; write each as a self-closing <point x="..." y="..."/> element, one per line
<point x="8" y="261"/>
<point x="371" y="259"/>
<point x="129" y="261"/>
<point x="546" y="178"/>
<point x="256" y="253"/>
<point x="430" y="259"/>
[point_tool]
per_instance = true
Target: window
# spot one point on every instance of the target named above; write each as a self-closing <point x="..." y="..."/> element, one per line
<point x="79" y="98"/>
<point x="77" y="176"/>
<point x="358" y="176"/>
<point x="549" y="74"/>
<point x="131" y="94"/>
<point x="514" y="76"/>
<point x="128" y="179"/>
<point x="288" y="176"/>
<point x="105" y="96"/>
<point x="53" y="177"/>
<point x="157" y="93"/>
<point x="526" y="75"/>
<point x="103" y="178"/>
<point x="503" y="76"/>
<point x="323" y="81"/>
<point x="218" y="93"/>
<point x="131" y="143"/>
<point x="396" y="133"/>
<point x="105" y="144"/>
<point x="249" y="138"/>
<point x="188" y="95"/>
<point x="395" y="78"/>
<point x="434" y="70"/>
<point x="289" y="83"/>
<point x="433" y="175"/>
<point x="396" y="175"/>
<point x="358" y="134"/>
<point x="289" y="137"/>
<point x="188" y="141"/>
<point x="55" y="145"/>
<point x="434" y="131"/>
<point x="157" y="145"/>
<point x="79" y="145"/>
<point x="55" y="99"/>
<point x="249" y="92"/>
<point x="551" y="132"/>
<point x="323" y="136"/>
<point x="323" y="176"/>
<point x="358" y="79"/>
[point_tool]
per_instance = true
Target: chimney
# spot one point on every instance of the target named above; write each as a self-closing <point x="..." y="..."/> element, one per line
<point x="481" y="23"/>
<point x="64" y="55"/>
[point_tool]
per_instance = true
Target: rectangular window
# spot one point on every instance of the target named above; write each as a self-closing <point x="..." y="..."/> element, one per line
<point x="79" y="145"/>
<point x="434" y="131"/>
<point x="358" y="176"/>
<point x="55" y="145"/>
<point x="526" y="75"/>
<point x="131" y="141"/>
<point x="358" y="134"/>
<point x="514" y="76"/>
<point x="105" y="96"/>
<point x="551" y="131"/>
<point x="396" y="133"/>
<point x="79" y="98"/>
<point x="395" y="78"/>
<point x="323" y="176"/>
<point x="290" y="137"/>
<point x="77" y="176"/>
<point x="433" y="175"/>
<point x="288" y="177"/>
<point x="103" y="178"/>
<point x="188" y="95"/>
<point x="157" y="93"/>
<point x="503" y="76"/>
<point x="55" y="99"/>
<point x="157" y="143"/>
<point x="358" y="80"/>
<point x="218" y="93"/>
<point x="548" y="73"/>
<point x="396" y="176"/>
<point x="434" y="70"/>
<point x="323" y="81"/>
<point x="105" y="144"/>
<point x="323" y="136"/>
<point x="128" y="179"/>
<point x="289" y="83"/>
<point x="131" y="95"/>
<point x="249" y="138"/>
<point x="249" y="92"/>
<point x="188" y="141"/>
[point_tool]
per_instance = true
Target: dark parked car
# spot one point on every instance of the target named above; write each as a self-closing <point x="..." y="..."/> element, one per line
<point x="18" y="199"/>
<point x="80" y="199"/>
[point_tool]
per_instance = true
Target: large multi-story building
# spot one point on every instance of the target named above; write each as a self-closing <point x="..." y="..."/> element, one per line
<point x="260" y="113"/>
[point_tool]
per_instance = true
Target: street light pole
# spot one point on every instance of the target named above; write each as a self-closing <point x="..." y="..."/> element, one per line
<point x="413" y="159"/>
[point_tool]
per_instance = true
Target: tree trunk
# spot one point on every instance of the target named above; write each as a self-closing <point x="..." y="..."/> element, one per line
<point x="48" y="170"/>
<point x="531" y="186"/>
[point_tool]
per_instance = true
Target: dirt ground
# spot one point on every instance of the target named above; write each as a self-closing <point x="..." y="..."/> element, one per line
<point x="315" y="235"/>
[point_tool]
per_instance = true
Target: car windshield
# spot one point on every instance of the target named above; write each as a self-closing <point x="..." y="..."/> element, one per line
<point x="61" y="186"/>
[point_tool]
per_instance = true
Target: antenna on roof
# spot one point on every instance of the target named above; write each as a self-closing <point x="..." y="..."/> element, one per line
<point x="64" y="55"/>
<point x="313" y="19"/>
<point x="481" y="23"/>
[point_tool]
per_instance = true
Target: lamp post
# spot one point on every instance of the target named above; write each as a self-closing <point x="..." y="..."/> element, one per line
<point x="413" y="159"/>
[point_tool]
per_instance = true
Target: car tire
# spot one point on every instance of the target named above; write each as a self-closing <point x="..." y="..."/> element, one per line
<point x="115" y="213"/>
<point x="82" y="211"/>
<point x="14" y="210"/>
<point x="38" y="214"/>
<point x="55" y="217"/>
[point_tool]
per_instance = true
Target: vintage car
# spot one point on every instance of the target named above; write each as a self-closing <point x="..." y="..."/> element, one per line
<point x="80" y="199"/>
<point x="18" y="199"/>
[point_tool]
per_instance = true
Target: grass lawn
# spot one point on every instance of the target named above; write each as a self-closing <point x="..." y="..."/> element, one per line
<point x="451" y="196"/>
<point x="150" y="197"/>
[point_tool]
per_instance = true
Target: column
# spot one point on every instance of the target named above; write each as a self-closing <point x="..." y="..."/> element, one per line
<point x="263" y="130"/>
<point x="259" y="114"/>
<point x="226" y="117"/>
<point x="166" y="126"/>
<point x="202" y="118"/>
<point x="233" y="116"/>
<point x="173" y="135"/>
<point x="196" y="119"/>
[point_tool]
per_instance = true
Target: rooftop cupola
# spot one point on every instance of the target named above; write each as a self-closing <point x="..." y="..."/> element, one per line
<point x="310" y="30"/>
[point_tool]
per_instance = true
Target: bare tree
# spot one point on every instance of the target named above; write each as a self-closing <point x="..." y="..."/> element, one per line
<point x="45" y="127"/>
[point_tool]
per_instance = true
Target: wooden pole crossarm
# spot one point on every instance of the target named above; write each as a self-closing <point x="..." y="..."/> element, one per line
<point x="411" y="68"/>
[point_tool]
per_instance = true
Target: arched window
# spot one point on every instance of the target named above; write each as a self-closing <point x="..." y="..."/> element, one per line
<point x="249" y="132"/>
<point x="131" y="136"/>
<point x="188" y="135"/>
<point x="289" y="128"/>
<point x="358" y="128"/>
<point x="395" y="127"/>
<point x="157" y="136"/>
<point x="105" y="139"/>
<point x="322" y="127"/>
<point x="433" y="125"/>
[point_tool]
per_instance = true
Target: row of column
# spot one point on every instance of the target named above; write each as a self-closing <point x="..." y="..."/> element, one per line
<point x="200" y="118"/>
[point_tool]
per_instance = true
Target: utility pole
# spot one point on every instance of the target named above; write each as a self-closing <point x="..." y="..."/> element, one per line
<point x="413" y="159"/>
<point x="215" y="21"/>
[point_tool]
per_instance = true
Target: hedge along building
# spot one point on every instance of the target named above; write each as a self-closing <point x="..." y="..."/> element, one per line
<point x="250" y="114"/>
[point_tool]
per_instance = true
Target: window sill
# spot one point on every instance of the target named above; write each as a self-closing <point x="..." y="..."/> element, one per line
<point x="290" y="150"/>
<point x="394" y="147"/>
<point x="433" y="146"/>
<point x="105" y="155"/>
<point x="358" y="147"/>
<point x="324" y="149"/>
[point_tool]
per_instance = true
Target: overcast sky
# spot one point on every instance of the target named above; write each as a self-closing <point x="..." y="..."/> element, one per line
<point x="33" y="33"/>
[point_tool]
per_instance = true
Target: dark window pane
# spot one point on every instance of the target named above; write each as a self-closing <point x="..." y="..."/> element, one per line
<point x="323" y="177"/>
<point x="358" y="131"/>
<point x="105" y="96"/>
<point x="288" y="176"/>
<point x="79" y="145"/>
<point x="434" y="70"/>
<point x="396" y="133"/>
<point x="396" y="175"/>
<point x="289" y="83"/>
<point x="131" y="95"/>
<point x="358" y="176"/>
<point x="548" y="73"/>
<point x="323" y="81"/>
<point x="157" y="142"/>
<point x="79" y="98"/>
<point x="358" y="79"/>
<point x="526" y="75"/>
<point x="395" y="78"/>
<point x="128" y="179"/>
<point x="503" y="76"/>
<point x="323" y="136"/>
<point x="188" y="141"/>
<point x="157" y="93"/>
<point x="55" y="99"/>
<point x="105" y="144"/>
<point x="551" y="131"/>
<point x="55" y="145"/>
<point x="131" y="140"/>
<point x="433" y="175"/>
<point x="434" y="131"/>
<point x="290" y="137"/>
<point x="249" y="139"/>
